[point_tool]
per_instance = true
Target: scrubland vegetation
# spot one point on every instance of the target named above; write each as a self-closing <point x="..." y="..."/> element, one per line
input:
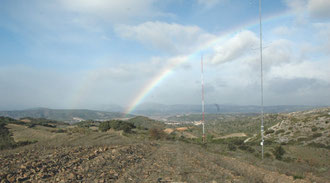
<point x="144" y="150"/>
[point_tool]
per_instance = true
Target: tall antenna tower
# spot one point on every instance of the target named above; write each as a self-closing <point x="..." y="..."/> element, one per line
<point x="203" y="106"/>
<point x="261" y="87"/>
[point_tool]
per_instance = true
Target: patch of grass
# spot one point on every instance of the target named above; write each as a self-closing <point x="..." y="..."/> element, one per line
<point x="79" y="130"/>
<point x="6" y="139"/>
<point x="318" y="145"/>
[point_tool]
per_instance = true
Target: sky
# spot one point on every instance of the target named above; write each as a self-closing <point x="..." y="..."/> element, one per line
<point x="98" y="53"/>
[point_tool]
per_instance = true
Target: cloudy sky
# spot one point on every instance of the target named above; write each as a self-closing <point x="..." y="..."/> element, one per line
<point x="93" y="53"/>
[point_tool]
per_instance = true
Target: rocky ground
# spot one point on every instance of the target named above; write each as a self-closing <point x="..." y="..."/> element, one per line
<point x="72" y="164"/>
<point x="303" y="127"/>
<point x="144" y="162"/>
<point x="92" y="156"/>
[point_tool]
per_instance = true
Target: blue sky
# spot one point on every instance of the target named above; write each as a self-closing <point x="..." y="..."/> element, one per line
<point x="94" y="53"/>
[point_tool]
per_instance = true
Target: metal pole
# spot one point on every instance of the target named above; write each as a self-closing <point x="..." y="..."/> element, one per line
<point x="261" y="86"/>
<point x="203" y="107"/>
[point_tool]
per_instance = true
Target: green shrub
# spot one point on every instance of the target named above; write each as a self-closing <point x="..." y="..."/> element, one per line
<point x="297" y="177"/>
<point x="126" y="127"/>
<point x="314" y="129"/>
<point x="209" y="137"/>
<point x="104" y="126"/>
<point x="23" y="143"/>
<point x="116" y="125"/>
<point x="278" y="152"/>
<point x="269" y="131"/>
<point x="156" y="134"/>
<point x="246" y="148"/>
<point x="268" y="141"/>
<point x="60" y="131"/>
<point x="231" y="147"/>
<point x="6" y="140"/>
<point x="268" y="155"/>
<point x="315" y="135"/>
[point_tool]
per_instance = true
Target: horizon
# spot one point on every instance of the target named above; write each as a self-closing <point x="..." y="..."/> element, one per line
<point x="95" y="53"/>
<point x="144" y="107"/>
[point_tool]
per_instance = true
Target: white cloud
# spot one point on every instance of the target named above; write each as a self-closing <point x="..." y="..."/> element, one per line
<point x="323" y="33"/>
<point x="169" y="37"/>
<point x="130" y="72"/>
<point x="277" y="53"/>
<point x="234" y="48"/>
<point x="307" y="69"/>
<point x="319" y="8"/>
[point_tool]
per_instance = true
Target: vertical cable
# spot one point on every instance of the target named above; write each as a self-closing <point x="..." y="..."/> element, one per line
<point x="203" y="105"/>
<point x="261" y="86"/>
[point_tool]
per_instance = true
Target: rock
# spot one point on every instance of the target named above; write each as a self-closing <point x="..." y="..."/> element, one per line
<point x="11" y="178"/>
<point x="72" y="176"/>
<point x="23" y="167"/>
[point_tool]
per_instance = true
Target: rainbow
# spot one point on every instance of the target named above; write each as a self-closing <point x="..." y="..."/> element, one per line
<point x="82" y="91"/>
<point x="148" y="88"/>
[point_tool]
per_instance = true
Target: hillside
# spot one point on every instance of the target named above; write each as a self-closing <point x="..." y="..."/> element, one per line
<point x="67" y="115"/>
<point x="84" y="153"/>
<point x="145" y="122"/>
<point x="305" y="128"/>
<point x="154" y="109"/>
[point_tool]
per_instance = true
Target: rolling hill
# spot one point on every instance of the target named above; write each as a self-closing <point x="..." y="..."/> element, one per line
<point x="67" y="115"/>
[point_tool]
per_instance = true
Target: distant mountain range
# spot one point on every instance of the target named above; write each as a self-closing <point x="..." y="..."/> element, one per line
<point x="150" y="109"/>
<point x="146" y="109"/>
<point x="67" y="115"/>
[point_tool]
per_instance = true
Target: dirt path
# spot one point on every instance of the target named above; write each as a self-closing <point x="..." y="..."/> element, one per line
<point x="232" y="135"/>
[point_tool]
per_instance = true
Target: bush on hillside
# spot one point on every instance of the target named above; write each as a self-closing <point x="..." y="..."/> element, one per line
<point x="246" y="148"/>
<point x="104" y="126"/>
<point x="156" y="133"/>
<point x="269" y="131"/>
<point x="315" y="135"/>
<point x="232" y="147"/>
<point x="6" y="139"/>
<point x="279" y="131"/>
<point x="116" y="125"/>
<point x="278" y="152"/>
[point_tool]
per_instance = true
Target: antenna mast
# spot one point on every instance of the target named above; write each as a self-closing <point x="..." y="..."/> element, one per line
<point x="203" y="107"/>
<point x="261" y="86"/>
